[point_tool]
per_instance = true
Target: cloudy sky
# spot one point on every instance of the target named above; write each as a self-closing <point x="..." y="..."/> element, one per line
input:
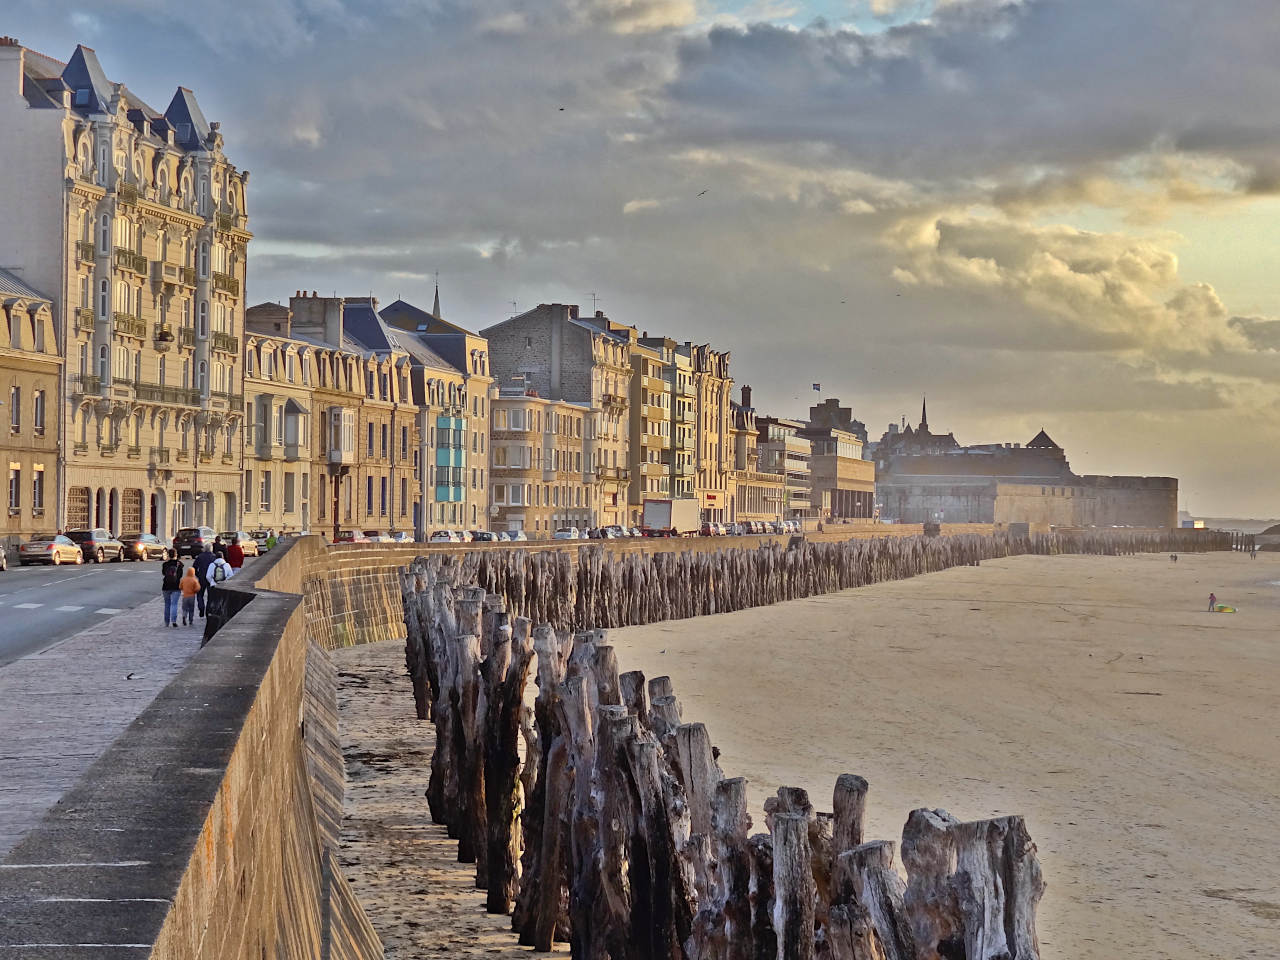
<point x="1057" y="213"/>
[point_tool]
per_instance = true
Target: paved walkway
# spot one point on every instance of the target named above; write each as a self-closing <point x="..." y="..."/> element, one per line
<point x="61" y="708"/>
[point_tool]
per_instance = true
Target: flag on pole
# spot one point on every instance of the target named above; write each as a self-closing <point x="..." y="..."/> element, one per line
<point x="817" y="387"/>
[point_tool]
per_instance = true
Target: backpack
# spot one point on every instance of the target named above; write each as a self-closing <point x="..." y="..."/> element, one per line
<point x="219" y="573"/>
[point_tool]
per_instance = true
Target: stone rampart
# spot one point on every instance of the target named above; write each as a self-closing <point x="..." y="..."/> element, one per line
<point x="207" y="831"/>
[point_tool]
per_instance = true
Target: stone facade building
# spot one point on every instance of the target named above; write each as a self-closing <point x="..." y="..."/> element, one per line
<point x="541" y="463"/>
<point x="30" y="379"/>
<point x="455" y="381"/>
<point x="133" y="222"/>
<point x="785" y="453"/>
<point x="562" y="356"/>
<point x="922" y="476"/>
<point x="843" y="482"/>
<point x="713" y="463"/>
<point x="756" y="495"/>
<point x="652" y="458"/>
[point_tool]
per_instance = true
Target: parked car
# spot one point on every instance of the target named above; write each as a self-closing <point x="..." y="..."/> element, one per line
<point x="247" y="543"/>
<point x="143" y="546"/>
<point x="566" y="533"/>
<point x="50" y="548"/>
<point x="377" y="536"/>
<point x="97" y="544"/>
<point x="350" y="536"/>
<point x="190" y="541"/>
<point x="517" y="536"/>
<point x="4" y="559"/>
<point x="260" y="538"/>
<point x="483" y="536"/>
<point x="708" y="529"/>
<point x="400" y="536"/>
<point x="464" y="536"/>
<point x="443" y="536"/>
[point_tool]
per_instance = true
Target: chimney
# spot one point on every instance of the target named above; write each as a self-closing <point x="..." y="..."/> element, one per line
<point x="600" y="314"/>
<point x="573" y="311"/>
<point x="12" y="58"/>
<point x="746" y="396"/>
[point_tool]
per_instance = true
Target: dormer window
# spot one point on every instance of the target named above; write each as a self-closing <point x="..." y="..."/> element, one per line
<point x="184" y="132"/>
<point x="82" y="97"/>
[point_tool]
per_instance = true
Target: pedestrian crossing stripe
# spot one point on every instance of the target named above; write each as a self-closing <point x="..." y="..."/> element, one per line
<point x="27" y="606"/>
<point x="69" y="609"/>
<point x="108" y="610"/>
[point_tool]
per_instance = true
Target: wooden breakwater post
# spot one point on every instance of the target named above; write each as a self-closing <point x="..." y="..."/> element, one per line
<point x="631" y="843"/>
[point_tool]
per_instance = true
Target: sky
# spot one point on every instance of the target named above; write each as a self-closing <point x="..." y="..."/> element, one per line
<point x="1042" y="213"/>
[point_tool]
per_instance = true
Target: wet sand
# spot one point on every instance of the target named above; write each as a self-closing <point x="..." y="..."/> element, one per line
<point x="1139" y="735"/>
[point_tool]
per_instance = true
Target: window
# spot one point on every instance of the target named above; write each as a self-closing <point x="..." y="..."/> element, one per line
<point x="15" y="409"/>
<point x="278" y="420"/>
<point x="382" y="503"/>
<point x="15" y="490"/>
<point x="290" y="364"/>
<point x="369" y="446"/>
<point x="102" y="361"/>
<point x="202" y="259"/>
<point x="202" y="376"/>
<point x="404" y="496"/>
<point x="368" y="487"/>
<point x="202" y="326"/>
<point x="37" y="490"/>
<point x="289" y="492"/>
<point x="104" y="234"/>
<point x="37" y="412"/>
<point x="385" y="430"/>
<point x="104" y="299"/>
<point x="264" y="495"/>
<point x="404" y="443"/>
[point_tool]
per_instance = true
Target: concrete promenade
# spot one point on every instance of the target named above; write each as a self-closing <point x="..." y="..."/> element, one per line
<point x="61" y="708"/>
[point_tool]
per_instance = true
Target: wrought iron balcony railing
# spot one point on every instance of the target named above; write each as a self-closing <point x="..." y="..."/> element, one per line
<point x="226" y="283"/>
<point x="130" y="326"/>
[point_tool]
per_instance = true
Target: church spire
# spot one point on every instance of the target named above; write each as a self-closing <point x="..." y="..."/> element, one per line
<point x="435" y="309"/>
<point x="924" y="414"/>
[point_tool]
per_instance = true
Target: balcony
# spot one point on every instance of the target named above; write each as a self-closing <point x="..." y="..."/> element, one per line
<point x="226" y="283"/>
<point x="84" y="384"/>
<point x="158" y="393"/>
<point x="615" y="400"/>
<point x="232" y="401"/>
<point x="163" y="272"/>
<point x="187" y="337"/>
<point x="652" y="411"/>
<point x="225" y="221"/>
<point x="183" y="456"/>
<point x="656" y="384"/>
<point x="162" y="337"/>
<point x="84" y="319"/>
<point x="128" y="260"/>
<point x="80" y="448"/>
<point x="160" y="456"/>
<point x="655" y="442"/>
<point x="206" y="456"/>
<point x="85" y="251"/>
<point x="189" y="276"/>
<point x="224" y="342"/>
<point x="133" y="452"/>
<point x="129" y="326"/>
<point x="228" y="458"/>
<point x="128" y="192"/>
<point x="108" y="449"/>
<point x="612" y="473"/>
<point x="686" y="416"/>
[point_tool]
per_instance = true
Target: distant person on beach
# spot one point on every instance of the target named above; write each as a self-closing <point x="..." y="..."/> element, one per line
<point x="1173" y="558"/>
<point x="1213" y="603"/>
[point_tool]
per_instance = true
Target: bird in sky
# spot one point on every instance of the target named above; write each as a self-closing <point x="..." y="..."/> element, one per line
<point x="704" y="191"/>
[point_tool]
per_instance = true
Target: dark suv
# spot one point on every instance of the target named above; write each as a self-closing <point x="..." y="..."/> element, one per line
<point x="97" y="544"/>
<point x="191" y="541"/>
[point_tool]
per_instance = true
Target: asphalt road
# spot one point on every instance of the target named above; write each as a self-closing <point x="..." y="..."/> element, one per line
<point x="40" y="605"/>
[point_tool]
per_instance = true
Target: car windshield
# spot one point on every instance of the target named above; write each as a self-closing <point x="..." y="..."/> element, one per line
<point x="79" y="536"/>
<point x="131" y="536"/>
<point x="44" y="538"/>
<point x="189" y="532"/>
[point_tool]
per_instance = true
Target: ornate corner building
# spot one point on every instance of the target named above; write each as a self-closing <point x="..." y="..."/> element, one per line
<point x="133" y="223"/>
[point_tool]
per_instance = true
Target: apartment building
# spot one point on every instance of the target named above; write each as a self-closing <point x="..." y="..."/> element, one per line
<point x="456" y="394"/>
<point x="30" y="375"/>
<point x="541" y="461"/>
<point x="843" y="482"/>
<point x="133" y="222"/>
<point x="713" y="441"/>
<point x="652" y="364"/>
<point x="757" y="495"/>
<point x="561" y="355"/>
<point x="785" y="453"/>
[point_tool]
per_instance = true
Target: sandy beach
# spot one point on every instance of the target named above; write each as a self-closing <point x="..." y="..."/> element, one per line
<point x="1137" y="733"/>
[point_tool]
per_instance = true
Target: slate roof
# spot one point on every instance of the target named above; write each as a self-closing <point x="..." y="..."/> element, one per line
<point x="1041" y="441"/>
<point x="184" y="115"/>
<point x="84" y="72"/>
<point x="423" y="320"/>
<point x="14" y="286"/>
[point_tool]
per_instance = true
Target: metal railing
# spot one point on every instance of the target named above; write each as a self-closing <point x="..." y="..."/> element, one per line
<point x="187" y="337"/>
<point x="128" y="260"/>
<point x="85" y="319"/>
<point x="133" y="452"/>
<point x="85" y="250"/>
<point x="234" y="401"/>
<point x="162" y="393"/>
<point x="225" y="221"/>
<point x="80" y="446"/>
<point x="159" y="454"/>
<point x="83" y="383"/>
<point x="206" y="456"/>
<point x="226" y="283"/>
<point x="183" y="455"/>
<point x="224" y="342"/>
<point x="128" y="192"/>
<point x="130" y="326"/>
<point x="189" y="276"/>
<point x="108" y="449"/>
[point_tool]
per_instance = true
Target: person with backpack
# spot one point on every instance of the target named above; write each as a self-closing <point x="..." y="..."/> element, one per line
<point x="220" y="570"/>
<point x="190" y="590"/>
<point x="235" y="554"/>
<point x="171" y="586"/>
<point x="201" y="566"/>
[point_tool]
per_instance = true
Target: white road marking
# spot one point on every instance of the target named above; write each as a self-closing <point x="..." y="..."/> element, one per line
<point x="109" y="610"/>
<point x="69" y="609"/>
<point x="27" y="606"/>
<point x="50" y="583"/>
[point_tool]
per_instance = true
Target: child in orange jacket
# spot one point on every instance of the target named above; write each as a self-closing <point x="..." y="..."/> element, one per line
<point x="190" y="585"/>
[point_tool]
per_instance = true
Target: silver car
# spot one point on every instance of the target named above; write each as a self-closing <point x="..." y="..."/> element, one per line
<point x="50" y="548"/>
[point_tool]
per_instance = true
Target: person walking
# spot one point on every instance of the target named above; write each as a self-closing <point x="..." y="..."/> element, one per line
<point x="201" y="566"/>
<point x="220" y="570"/>
<point x="235" y="554"/>
<point x="1213" y="603"/>
<point x="219" y="548"/>
<point x="271" y="538"/>
<point x="190" y="590"/>
<point x="170" y="586"/>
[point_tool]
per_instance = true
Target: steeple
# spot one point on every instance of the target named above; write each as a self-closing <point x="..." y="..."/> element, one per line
<point x="924" y="415"/>
<point x="435" y="309"/>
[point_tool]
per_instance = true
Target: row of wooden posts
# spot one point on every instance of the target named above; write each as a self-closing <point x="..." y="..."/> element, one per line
<point x="599" y="817"/>
<point x="618" y="833"/>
